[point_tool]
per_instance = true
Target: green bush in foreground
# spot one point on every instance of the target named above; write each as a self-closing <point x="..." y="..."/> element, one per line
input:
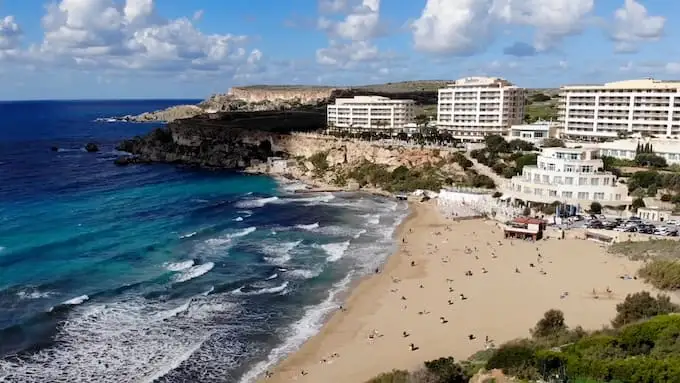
<point x="662" y="273"/>
<point x="396" y="376"/>
<point x="640" y="306"/>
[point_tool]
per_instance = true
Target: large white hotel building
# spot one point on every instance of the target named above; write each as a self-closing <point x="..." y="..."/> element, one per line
<point x="370" y="112"/>
<point x="474" y="107"/>
<point x="645" y="106"/>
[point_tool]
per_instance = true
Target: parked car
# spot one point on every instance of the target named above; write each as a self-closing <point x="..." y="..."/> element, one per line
<point x="646" y="229"/>
<point x="594" y="224"/>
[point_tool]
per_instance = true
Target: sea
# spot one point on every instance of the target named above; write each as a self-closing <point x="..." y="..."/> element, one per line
<point x="157" y="273"/>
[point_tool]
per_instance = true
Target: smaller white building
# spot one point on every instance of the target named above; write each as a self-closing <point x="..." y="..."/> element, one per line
<point x="370" y="112"/>
<point x="655" y="214"/>
<point x="626" y="149"/>
<point x="534" y="133"/>
<point x="572" y="176"/>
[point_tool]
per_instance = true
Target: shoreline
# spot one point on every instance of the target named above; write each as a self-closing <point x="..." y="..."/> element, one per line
<point x="365" y="338"/>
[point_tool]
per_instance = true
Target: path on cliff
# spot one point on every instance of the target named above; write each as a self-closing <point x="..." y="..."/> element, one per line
<point x="501" y="182"/>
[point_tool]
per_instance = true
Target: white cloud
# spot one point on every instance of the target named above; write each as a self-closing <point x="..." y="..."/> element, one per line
<point x="453" y="26"/>
<point x="334" y="6"/>
<point x="464" y="27"/>
<point x="198" y="15"/>
<point x="632" y="25"/>
<point x="347" y="55"/>
<point x="363" y="23"/>
<point x="10" y="32"/>
<point x="130" y="35"/>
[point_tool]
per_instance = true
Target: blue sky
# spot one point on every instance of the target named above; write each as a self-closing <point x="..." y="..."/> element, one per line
<point x="77" y="49"/>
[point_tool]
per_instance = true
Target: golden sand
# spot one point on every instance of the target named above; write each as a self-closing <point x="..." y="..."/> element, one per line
<point x="421" y="288"/>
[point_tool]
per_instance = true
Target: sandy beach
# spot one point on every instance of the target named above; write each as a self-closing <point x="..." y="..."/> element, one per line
<point x="424" y="291"/>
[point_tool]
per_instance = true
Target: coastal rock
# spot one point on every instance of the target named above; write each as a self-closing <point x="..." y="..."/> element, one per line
<point x="91" y="147"/>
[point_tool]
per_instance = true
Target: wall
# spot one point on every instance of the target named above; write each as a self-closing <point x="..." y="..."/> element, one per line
<point x="304" y="95"/>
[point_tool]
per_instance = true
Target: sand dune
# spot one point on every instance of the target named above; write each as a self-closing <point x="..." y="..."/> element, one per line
<point x="501" y="303"/>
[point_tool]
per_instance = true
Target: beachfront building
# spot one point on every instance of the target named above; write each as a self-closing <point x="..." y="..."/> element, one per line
<point x="626" y="149"/>
<point x="655" y="214"/>
<point x="570" y="176"/>
<point x="474" y="107"/>
<point x="364" y="113"/>
<point x="534" y="133"/>
<point x="596" y="112"/>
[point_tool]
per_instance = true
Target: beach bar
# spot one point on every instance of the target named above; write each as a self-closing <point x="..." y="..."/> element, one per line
<point x="523" y="227"/>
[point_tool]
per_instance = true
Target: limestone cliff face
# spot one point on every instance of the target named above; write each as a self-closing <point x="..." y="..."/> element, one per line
<point x="302" y="95"/>
<point x="340" y="152"/>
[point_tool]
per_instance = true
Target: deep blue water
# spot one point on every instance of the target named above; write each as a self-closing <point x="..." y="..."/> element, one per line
<point x="143" y="273"/>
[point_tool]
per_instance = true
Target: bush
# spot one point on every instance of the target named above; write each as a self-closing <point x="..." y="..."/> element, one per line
<point x="396" y="376"/>
<point x="319" y="161"/>
<point x="497" y="194"/>
<point x="663" y="274"/>
<point x="446" y="370"/>
<point x="551" y="324"/>
<point x="509" y="172"/>
<point x="666" y="197"/>
<point x="650" y="159"/>
<point x="596" y="208"/>
<point x="637" y="203"/>
<point x="527" y="159"/>
<point x="516" y="359"/>
<point x="641" y="306"/>
<point x="651" y="191"/>
<point x="553" y="143"/>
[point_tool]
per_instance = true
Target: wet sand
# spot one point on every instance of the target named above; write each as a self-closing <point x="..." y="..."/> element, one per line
<point x="419" y="292"/>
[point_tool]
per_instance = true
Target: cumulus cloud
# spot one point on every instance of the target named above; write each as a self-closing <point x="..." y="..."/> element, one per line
<point x="362" y="23"/>
<point x="10" y="32"/>
<point x="633" y="25"/>
<point x="347" y="55"/>
<point x="466" y="27"/>
<point x="131" y="35"/>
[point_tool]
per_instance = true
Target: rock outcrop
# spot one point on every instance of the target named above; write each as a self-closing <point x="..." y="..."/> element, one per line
<point x="233" y="140"/>
<point x="91" y="147"/>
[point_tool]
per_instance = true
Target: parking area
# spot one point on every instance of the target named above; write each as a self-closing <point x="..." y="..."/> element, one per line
<point x="631" y="225"/>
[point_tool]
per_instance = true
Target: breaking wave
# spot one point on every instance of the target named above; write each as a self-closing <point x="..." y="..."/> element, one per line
<point x="193" y="272"/>
<point x="253" y="203"/>
<point x="179" y="266"/>
<point x="311" y="226"/>
<point x="335" y="251"/>
<point x="265" y="290"/>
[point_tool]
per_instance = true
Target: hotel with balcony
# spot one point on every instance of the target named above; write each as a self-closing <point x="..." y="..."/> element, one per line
<point x="474" y="107"/>
<point x="647" y="106"/>
<point x="370" y="113"/>
<point x="571" y="176"/>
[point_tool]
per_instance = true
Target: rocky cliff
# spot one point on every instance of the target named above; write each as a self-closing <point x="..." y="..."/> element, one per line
<point x="303" y="95"/>
<point x="232" y="140"/>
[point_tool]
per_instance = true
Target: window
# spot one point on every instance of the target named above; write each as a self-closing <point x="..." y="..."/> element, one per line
<point x="568" y="180"/>
<point x="546" y="179"/>
<point x="537" y="178"/>
<point x="595" y="181"/>
<point x="569" y="168"/>
<point x="538" y="191"/>
<point x="583" y="195"/>
<point x="583" y="181"/>
<point x="605" y="181"/>
<point x="566" y="194"/>
<point x="618" y="197"/>
<point x="557" y="179"/>
<point x="586" y="169"/>
<point x="552" y="193"/>
<point x="551" y="167"/>
<point x="598" y="196"/>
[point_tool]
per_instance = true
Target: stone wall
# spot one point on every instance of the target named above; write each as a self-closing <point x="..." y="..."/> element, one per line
<point x="303" y="95"/>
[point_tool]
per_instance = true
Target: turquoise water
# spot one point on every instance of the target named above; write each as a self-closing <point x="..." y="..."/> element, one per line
<point x="157" y="273"/>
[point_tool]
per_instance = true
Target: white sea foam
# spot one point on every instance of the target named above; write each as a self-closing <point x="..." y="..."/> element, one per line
<point x="335" y="251"/>
<point x="2" y="248"/>
<point x="311" y="226"/>
<point x="273" y="276"/>
<point x="188" y="235"/>
<point x="135" y="340"/>
<point x="292" y="186"/>
<point x="226" y="239"/>
<point x="372" y="219"/>
<point x="238" y="219"/>
<point x="359" y="233"/>
<point x="178" y="266"/>
<point x="33" y="294"/>
<point x="193" y="272"/>
<point x="265" y="290"/>
<point x="279" y="253"/>
<point x="300" y="331"/>
<point x="303" y="273"/>
<point x="76" y="301"/>
<point x="325" y="198"/>
<point x="253" y="203"/>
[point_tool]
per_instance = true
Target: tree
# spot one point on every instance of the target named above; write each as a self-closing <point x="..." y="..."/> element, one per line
<point x="637" y="203"/>
<point x="551" y="324"/>
<point x="595" y="207"/>
<point x="641" y="306"/>
<point x="650" y="159"/>
<point x="446" y="370"/>
<point x="527" y="159"/>
<point x="495" y="143"/>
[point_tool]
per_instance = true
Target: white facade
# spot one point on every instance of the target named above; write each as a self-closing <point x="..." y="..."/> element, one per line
<point x="669" y="149"/>
<point x="475" y="107"/>
<point x="568" y="175"/>
<point x="370" y="112"/>
<point x="534" y="133"/>
<point x="635" y="106"/>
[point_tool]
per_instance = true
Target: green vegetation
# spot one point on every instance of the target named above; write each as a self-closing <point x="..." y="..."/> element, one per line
<point x="595" y="207"/>
<point x="663" y="274"/>
<point x="505" y="158"/>
<point x="540" y="106"/>
<point x="320" y="162"/>
<point x="641" y="306"/>
<point x="442" y="370"/>
<point x="652" y="249"/>
<point x="552" y="143"/>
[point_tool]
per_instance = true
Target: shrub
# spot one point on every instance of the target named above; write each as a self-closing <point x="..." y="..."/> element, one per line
<point x="509" y="172"/>
<point x="596" y="207"/>
<point x="551" y="324"/>
<point x="319" y="161"/>
<point x="497" y="194"/>
<point x="641" y="306"/>
<point x="651" y="191"/>
<point x="650" y="159"/>
<point x="446" y="370"/>
<point x="553" y="143"/>
<point x="527" y="211"/>
<point x="516" y="359"/>
<point x="395" y="376"/>
<point x="637" y="203"/>
<point x="527" y="159"/>
<point x="662" y="273"/>
<point x="666" y="197"/>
